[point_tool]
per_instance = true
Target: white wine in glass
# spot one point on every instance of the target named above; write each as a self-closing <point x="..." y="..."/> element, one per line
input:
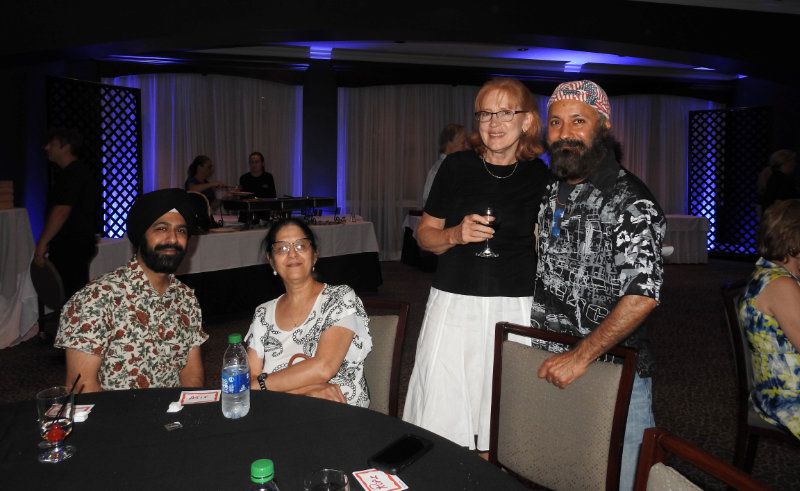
<point x="487" y="251"/>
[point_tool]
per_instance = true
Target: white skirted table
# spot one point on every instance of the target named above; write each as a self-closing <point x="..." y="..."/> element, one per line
<point x="688" y="234"/>
<point x="232" y="249"/>
<point x="228" y="271"/>
<point x="19" y="308"/>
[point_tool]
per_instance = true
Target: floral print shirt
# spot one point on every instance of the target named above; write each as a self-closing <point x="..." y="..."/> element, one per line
<point x="142" y="336"/>
<point x="336" y="305"/>
<point x="775" y="361"/>
<point x="602" y="243"/>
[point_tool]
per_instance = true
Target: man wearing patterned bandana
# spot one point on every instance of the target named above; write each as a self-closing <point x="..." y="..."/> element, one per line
<point x="138" y="326"/>
<point x="600" y="269"/>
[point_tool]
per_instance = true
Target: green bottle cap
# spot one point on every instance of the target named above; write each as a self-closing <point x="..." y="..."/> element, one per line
<point x="262" y="470"/>
<point x="234" y="338"/>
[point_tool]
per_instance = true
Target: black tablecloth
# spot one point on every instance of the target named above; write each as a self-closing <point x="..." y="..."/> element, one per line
<point x="124" y="445"/>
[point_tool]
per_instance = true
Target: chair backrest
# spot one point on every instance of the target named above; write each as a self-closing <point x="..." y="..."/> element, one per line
<point x="732" y="292"/>
<point x="48" y="285"/>
<point x="202" y="211"/>
<point x="653" y="474"/>
<point x="387" y="326"/>
<point x="559" y="438"/>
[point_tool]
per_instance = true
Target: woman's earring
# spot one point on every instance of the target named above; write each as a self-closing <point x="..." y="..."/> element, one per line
<point x="274" y="273"/>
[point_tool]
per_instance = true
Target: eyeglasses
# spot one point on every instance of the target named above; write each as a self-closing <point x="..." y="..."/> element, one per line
<point x="504" y="115"/>
<point x="282" y="247"/>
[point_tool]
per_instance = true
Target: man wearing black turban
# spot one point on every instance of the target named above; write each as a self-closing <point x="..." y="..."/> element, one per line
<point x="138" y="326"/>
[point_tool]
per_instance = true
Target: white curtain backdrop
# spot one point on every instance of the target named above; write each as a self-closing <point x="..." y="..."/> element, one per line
<point x="390" y="138"/>
<point x="225" y="118"/>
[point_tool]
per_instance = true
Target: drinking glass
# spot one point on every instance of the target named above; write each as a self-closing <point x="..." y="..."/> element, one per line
<point x="327" y="480"/>
<point x="487" y="251"/>
<point x="56" y="409"/>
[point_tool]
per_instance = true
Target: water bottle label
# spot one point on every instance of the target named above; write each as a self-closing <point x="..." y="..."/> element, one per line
<point x="233" y="384"/>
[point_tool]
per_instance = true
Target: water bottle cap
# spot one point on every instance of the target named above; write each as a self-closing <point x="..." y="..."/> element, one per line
<point x="234" y="338"/>
<point x="262" y="470"/>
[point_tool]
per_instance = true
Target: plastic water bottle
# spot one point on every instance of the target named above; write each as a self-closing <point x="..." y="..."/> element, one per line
<point x="235" y="379"/>
<point x="262" y="475"/>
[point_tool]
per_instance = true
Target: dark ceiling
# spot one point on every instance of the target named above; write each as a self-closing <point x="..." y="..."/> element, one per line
<point x="756" y="44"/>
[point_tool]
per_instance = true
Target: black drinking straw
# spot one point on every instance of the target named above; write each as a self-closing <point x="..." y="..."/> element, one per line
<point x="63" y="406"/>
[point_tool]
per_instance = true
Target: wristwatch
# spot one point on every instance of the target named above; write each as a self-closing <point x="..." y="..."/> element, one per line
<point x="262" y="381"/>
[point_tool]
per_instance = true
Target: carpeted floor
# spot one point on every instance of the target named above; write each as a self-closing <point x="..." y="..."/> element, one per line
<point x="694" y="387"/>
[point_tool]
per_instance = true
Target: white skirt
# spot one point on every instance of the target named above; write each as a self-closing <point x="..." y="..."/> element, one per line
<point x="450" y="391"/>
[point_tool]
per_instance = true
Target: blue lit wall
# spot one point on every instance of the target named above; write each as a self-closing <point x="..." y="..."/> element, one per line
<point x="706" y="153"/>
<point x="727" y="148"/>
<point x="120" y="134"/>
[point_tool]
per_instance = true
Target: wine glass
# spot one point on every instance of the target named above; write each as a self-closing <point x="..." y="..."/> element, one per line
<point x="487" y="251"/>
<point x="56" y="409"/>
<point x="327" y="480"/>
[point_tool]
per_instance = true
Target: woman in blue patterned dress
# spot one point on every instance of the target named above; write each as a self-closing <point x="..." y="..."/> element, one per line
<point x="323" y="325"/>
<point x="770" y="315"/>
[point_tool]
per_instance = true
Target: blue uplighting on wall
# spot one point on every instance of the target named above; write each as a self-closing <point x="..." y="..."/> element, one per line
<point x="120" y="156"/>
<point x="341" y="154"/>
<point x="297" y="160"/>
<point x="704" y="168"/>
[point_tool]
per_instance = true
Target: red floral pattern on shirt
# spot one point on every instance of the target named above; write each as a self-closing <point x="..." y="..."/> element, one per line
<point x="143" y="337"/>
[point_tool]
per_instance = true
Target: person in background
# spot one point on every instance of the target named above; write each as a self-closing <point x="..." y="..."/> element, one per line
<point x="200" y="171"/>
<point x="779" y="182"/>
<point x="600" y="268"/>
<point x="451" y="385"/>
<point x="68" y="238"/>
<point x="453" y="138"/>
<point x="258" y="181"/>
<point x="138" y="326"/>
<point x="324" y="326"/>
<point x="769" y="313"/>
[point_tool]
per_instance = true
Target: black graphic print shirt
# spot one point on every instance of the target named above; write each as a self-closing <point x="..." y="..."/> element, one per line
<point x="602" y="243"/>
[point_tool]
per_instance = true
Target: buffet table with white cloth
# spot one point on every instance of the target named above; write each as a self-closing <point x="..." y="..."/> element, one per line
<point x="227" y="269"/>
<point x="19" y="308"/>
<point x="688" y="234"/>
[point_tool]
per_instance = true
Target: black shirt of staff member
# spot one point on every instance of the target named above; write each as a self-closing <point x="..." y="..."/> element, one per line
<point x="258" y="181"/>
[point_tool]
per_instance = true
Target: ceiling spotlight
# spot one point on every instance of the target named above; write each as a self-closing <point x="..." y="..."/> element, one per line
<point x="320" y="52"/>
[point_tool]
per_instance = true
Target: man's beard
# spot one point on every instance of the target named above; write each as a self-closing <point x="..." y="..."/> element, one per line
<point x="162" y="263"/>
<point x="572" y="159"/>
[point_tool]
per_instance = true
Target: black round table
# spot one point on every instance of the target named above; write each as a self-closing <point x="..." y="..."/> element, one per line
<point x="124" y="445"/>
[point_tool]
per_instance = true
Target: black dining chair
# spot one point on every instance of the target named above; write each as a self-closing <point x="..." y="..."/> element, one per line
<point x="750" y="426"/>
<point x="50" y="292"/>
<point x="202" y="211"/>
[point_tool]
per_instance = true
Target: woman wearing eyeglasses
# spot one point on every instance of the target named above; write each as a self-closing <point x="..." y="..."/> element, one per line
<point x="324" y="326"/>
<point x="484" y="275"/>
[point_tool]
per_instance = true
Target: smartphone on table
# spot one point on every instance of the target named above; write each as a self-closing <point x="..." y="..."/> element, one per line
<point x="400" y="453"/>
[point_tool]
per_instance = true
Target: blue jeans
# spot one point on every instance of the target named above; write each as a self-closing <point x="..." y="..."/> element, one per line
<point x="640" y="417"/>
